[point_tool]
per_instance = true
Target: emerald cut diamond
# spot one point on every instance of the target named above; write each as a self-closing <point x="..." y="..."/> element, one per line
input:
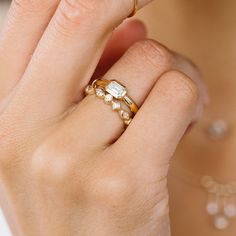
<point x="116" y="90"/>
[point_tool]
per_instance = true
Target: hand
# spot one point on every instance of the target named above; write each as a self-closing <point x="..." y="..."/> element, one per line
<point x="66" y="166"/>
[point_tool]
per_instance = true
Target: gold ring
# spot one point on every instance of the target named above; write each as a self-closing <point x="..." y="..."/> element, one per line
<point x="135" y="8"/>
<point x="118" y="91"/>
<point x="112" y="92"/>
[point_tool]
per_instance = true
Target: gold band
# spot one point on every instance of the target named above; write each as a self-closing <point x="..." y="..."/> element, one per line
<point x="108" y="84"/>
<point x="135" y="9"/>
<point x="109" y="99"/>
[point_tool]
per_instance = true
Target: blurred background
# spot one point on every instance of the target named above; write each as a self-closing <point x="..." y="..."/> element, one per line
<point x="4" y="4"/>
<point x="4" y="230"/>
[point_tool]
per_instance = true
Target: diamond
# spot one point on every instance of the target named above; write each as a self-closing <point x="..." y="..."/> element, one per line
<point x="108" y="98"/>
<point x="116" y="106"/>
<point x="116" y="90"/>
<point x="100" y="92"/>
<point x="124" y="115"/>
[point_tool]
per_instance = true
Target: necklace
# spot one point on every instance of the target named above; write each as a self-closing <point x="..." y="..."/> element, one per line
<point x="217" y="129"/>
<point x="221" y="201"/>
<point x="220" y="197"/>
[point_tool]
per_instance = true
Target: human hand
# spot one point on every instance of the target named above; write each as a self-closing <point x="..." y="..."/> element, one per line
<point x="66" y="166"/>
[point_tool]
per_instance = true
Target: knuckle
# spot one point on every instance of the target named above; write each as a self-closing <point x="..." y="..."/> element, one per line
<point x="8" y="145"/>
<point x="51" y="166"/>
<point x="40" y="164"/>
<point x="72" y="13"/>
<point x="33" y="5"/>
<point x="185" y="90"/>
<point x="112" y="188"/>
<point x="153" y="53"/>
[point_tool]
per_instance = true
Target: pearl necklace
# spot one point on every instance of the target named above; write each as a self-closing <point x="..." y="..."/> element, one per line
<point x="221" y="203"/>
<point x="221" y="197"/>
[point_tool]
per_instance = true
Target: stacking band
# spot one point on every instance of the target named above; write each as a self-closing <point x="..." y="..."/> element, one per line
<point x="135" y="9"/>
<point x="113" y="93"/>
<point x="109" y="99"/>
<point x="118" y="91"/>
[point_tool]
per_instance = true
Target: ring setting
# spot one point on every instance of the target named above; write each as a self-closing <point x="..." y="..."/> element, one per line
<point x="116" y="90"/>
<point x="114" y="94"/>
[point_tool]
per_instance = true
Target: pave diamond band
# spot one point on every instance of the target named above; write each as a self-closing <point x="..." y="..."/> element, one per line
<point x="113" y="93"/>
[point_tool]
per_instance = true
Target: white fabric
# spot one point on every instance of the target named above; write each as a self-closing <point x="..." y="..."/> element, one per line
<point x="4" y="229"/>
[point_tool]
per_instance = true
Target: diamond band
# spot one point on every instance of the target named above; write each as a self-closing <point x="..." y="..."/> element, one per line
<point x="110" y="100"/>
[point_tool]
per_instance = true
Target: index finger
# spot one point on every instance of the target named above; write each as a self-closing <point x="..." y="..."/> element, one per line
<point x="24" y="26"/>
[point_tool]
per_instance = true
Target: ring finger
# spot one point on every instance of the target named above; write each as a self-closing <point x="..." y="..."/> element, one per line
<point x="138" y="70"/>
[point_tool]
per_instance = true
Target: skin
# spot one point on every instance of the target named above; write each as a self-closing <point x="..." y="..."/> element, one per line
<point x="63" y="173"/>
<point x="205" y="32"/>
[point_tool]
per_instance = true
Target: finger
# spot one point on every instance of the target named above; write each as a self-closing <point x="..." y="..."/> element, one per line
<point x="138" y="70"/>
<point x="68" y="54"/>
<point x="172" y="105"/>
<point x="24" y="26"/>
<point x="123" y="37"/>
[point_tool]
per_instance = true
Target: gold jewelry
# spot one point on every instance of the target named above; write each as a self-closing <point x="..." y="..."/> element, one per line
<point x="110" y="100"/>
<point x="135" y="9"/>
<point x="118" y="91"/>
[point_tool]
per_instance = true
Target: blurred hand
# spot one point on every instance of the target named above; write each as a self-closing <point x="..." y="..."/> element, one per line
<point x="66" y="165"/>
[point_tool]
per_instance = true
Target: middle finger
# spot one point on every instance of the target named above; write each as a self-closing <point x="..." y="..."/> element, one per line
<point x="139" y="69"/>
